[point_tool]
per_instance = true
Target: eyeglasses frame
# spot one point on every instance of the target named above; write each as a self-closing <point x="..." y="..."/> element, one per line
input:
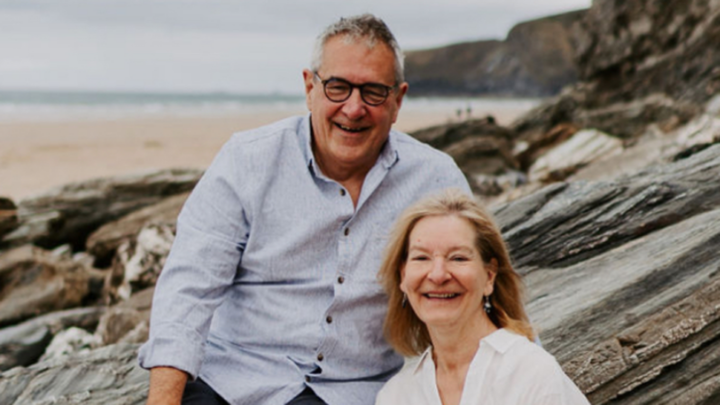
<point x="354" y="86"/>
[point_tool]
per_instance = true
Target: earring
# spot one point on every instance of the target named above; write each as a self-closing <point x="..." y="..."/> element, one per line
<point x="487" y="306"/>
<point x="404" y="301"/>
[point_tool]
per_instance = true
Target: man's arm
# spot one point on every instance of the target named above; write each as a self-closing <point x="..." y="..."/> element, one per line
<point x="166" y="386"/>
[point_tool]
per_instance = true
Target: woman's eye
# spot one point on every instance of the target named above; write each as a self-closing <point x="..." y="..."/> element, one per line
<point x="459" y="258"/>
<point x="419" y="258"/>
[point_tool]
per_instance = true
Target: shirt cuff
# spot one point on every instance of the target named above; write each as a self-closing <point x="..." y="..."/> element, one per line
<point x="175" y="346"/>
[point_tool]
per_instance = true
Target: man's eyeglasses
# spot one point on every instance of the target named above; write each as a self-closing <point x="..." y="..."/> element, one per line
<point x="338" y="90"/>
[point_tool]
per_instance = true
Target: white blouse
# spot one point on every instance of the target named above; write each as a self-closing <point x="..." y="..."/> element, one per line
<point x="507" y="369"/>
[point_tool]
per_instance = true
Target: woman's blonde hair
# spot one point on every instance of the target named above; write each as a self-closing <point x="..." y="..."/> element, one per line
<point x="403" y="329"/>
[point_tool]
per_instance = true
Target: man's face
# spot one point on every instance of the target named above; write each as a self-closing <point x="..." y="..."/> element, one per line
<point x="348" y="135"/>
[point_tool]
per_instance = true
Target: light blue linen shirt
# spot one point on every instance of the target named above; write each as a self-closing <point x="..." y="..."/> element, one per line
<point x="271" y="283"/>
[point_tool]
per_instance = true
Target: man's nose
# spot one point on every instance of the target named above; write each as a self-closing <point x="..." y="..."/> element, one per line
<point x="354" y="107"/>
<point x="439" y="273"/>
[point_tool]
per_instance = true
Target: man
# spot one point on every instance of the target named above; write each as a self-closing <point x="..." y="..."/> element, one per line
<point x="269" y="295"/>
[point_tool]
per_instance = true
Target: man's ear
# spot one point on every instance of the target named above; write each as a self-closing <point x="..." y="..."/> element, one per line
<point x="399" y="95"/>
<point x="309" y="78"/>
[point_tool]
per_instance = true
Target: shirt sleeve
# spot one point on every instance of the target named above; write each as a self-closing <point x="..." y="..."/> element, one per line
<point x="212" y="231"/>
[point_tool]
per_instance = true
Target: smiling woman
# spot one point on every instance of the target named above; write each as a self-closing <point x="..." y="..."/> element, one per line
<point x="447" y="259"/>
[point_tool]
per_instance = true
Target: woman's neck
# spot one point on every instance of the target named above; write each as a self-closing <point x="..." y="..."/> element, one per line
<point x="454" y="347"/>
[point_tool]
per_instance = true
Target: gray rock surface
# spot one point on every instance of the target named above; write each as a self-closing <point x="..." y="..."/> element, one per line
<point x="623" y="278"/>
<point x="23" y="344"/>
<point x="69" y="214"/>
<point x="107" y="376"/>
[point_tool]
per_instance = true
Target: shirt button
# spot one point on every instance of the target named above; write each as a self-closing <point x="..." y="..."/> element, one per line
<point x="342" y="192"/>
<point x="347" y="231"/>
<point x="328" y="319"/>
<point x="307" y="378"/>
<point x="320" y="357"/>
<point x="341" y="280"/>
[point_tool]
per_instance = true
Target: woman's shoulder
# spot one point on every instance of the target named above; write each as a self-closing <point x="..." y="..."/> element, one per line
<point x="526" y="364"/>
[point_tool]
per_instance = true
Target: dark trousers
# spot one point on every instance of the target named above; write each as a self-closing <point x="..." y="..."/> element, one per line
<point x="199" y="393"/>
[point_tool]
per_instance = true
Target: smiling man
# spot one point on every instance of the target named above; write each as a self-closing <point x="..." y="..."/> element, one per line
<point x="270" y="295"/>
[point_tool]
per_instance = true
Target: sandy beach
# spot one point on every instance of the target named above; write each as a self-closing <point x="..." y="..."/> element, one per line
<point x="36" y="155"/>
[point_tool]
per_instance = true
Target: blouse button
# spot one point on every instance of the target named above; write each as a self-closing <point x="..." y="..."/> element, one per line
<point x="320" y="357"/>
<point x="328" y="319"/>
<point x="341" y="280"/>
<point x="342" y="192"/>
<point x="347" y="231"/>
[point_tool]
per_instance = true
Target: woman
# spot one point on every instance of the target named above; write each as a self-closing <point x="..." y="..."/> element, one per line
<point x="456" y="301"/>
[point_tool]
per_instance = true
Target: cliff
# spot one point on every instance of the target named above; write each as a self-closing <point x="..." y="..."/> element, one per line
<point x="536" y="59"/>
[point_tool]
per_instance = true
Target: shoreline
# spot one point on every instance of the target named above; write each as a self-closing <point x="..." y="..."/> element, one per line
<point x="43" y="153"/>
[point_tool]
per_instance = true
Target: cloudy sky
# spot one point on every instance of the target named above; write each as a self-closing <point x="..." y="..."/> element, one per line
<point x="248" y="46"/>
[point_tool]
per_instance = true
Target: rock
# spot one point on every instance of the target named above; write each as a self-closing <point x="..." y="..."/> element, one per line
<point x="117" y="323"/>
<point x="70" y="213"/>
<point x="104" y="242"/>
<point x="536" y="59"/>
<point x="482" y="149"/>
<point x="23" y="344"/>
<point x="633" y="49"/>
<point x="581" y="149"/>
<point x="8" y="216"/>
<point x="139" y="262"/>
<point x="35" y="282"/>
<point x="623" y="279"/>
<point x="107" y="376"/>
<point x="71" y="340"/>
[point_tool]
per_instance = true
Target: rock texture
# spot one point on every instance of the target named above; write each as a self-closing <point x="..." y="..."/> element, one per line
<point x="624" y="280"/>
<point x="107" y="376"/>
<point x="35" y="281"/>
<point x="536" y="59"/>
<point x="70" y="213"/>
<point x="640" y="62"/>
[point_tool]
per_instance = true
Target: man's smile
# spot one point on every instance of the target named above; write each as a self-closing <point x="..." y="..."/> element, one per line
<point x="353" y="129"/>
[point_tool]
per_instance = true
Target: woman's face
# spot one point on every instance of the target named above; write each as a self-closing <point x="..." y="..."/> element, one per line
<point x="444" y="276"/>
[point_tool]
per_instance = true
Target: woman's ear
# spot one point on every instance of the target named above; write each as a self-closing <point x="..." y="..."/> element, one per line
<point x="491" y="268"/>
<point x="402" y="278"/>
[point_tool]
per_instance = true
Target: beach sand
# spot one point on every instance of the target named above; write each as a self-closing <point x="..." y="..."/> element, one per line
<point x="38" y="155"/>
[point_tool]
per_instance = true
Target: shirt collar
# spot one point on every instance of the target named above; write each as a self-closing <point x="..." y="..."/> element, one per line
<point x="501" y="340"/>
<point x="388" y="154"/>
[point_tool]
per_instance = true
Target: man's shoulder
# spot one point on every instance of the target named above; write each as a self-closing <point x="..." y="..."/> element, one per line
<point x="290" y="126"/>
<point x="408" y="146"/>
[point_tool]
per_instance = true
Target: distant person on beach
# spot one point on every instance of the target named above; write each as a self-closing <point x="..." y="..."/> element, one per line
<point x="270" y="294"/>
<point x="456" y="302"/>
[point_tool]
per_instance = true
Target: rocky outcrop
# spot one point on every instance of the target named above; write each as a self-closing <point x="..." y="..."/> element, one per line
<point x="624" y="278"/>
<point x="70" y="213"/>
<point x="640" y="62"/>
<point x="536" y="59"/>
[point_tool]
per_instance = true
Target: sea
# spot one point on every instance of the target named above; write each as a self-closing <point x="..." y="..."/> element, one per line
<point x="80" y="105"/>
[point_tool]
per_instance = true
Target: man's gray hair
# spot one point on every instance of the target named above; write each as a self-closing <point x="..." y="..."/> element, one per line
<point x="365" y="27"/>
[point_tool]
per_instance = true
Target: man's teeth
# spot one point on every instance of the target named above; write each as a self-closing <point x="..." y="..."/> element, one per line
<point x="344" y="128"/>
<point x="449" y="295"/>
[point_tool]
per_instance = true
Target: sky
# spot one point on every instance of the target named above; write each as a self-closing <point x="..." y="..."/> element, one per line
<point x="244" y="46"/>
